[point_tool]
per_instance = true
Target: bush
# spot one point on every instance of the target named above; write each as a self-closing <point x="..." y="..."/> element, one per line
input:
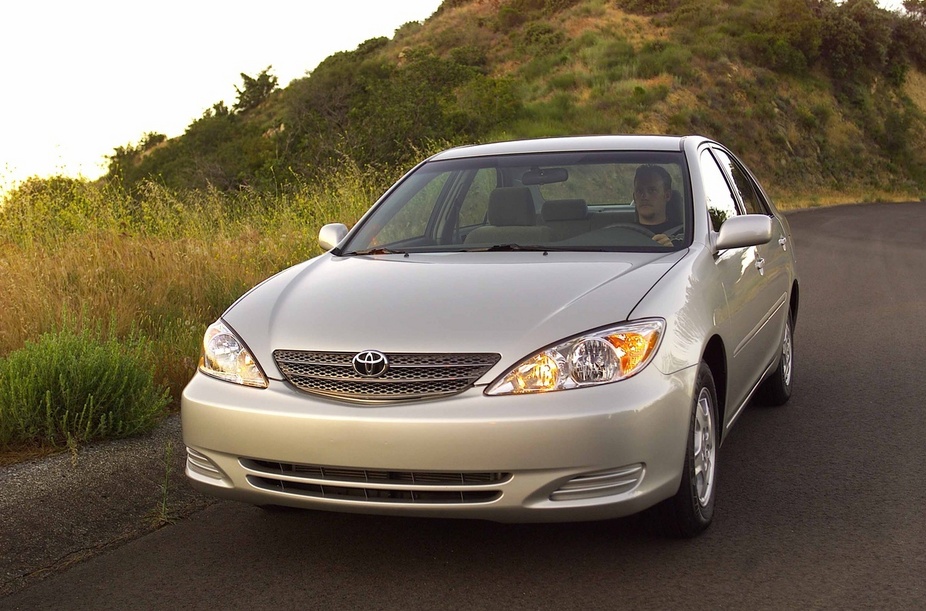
<point x="77" y="386"/>
<point x="659" y="57"/>
<point x="774" y="52"/>
<point x="541" y="39"/>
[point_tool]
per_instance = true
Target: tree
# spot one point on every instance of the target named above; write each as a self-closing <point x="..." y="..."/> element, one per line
<point x="255" y="90"/>
<point x="916" y="9"/>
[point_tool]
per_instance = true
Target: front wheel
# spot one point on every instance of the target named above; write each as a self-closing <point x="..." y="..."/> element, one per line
<point x="691" y="510"/>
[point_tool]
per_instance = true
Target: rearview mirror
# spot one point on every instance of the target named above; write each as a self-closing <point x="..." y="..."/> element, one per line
<point x="746" y="230"/>
<point x="544" y="176"/>
<point x="331" y="235"/>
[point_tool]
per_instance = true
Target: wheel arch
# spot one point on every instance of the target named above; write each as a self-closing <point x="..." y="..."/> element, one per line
<point x="795" y="302"/>
<point x="716" y="358"/>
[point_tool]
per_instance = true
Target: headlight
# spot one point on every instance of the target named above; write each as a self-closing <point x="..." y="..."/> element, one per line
<point x="225" y="357"/>
<point x="599" y="357"/>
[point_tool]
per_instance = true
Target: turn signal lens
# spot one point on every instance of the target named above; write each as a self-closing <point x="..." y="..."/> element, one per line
<point x="634" y="349"/>
<point x="600" y="357"/>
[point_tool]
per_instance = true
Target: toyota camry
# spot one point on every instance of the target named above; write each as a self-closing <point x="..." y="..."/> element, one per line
<point x="546" y="330"/>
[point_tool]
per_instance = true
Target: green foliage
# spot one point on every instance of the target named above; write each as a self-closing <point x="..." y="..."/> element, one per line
<point x="659" y="57"/>
<point x="509" y="18"/>
<point x="472" y="56"/>
<point x="555" y="6"/>
<point x="255" y="90"/>
<point x="649" y="7"/>
<point x="60" y="206"/>
<point x="842" y="43"/>
<point x="909" y="41"/>
<point x="642" y="98"/>
<point x="858" y="41"/>
<point x="76" y="386"/>
<point x="774" y="52"/>
<point x="540" y="38"/>
<point x="467" y="80"/>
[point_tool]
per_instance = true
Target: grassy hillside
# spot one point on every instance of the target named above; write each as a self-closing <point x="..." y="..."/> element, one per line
<point x="821" y="99"/>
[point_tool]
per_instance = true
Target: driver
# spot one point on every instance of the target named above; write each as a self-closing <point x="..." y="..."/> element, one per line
<point x="652" y="188"/>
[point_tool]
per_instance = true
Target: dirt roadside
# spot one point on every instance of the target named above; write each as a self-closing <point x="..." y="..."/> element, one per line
<point x="60" y="510"/>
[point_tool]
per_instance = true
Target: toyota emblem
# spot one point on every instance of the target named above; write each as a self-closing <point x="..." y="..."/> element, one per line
<point x="370" y="363"/>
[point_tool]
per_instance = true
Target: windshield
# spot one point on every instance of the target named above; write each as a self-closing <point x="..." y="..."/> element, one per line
<point x="623" y="201"/>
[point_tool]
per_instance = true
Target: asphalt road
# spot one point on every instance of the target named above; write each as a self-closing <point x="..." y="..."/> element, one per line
<point x="821" y="503"/>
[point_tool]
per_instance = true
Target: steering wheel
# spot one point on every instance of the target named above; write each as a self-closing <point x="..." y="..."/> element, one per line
<point x="673" y="230"/>
<point x="632" y="227"/>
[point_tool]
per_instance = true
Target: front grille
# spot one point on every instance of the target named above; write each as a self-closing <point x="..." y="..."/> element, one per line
<point x="410" y="376"/>
<point x="375" y="485"/>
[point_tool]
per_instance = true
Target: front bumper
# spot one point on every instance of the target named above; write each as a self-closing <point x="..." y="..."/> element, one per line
<point x="586" y="454"/>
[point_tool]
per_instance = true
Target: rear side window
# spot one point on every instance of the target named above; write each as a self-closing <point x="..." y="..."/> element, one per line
<point x="747" y="189"/>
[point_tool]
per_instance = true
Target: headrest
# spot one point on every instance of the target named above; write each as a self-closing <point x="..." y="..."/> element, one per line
<point x="511" y="206"/>
<point x="564" y="210"/>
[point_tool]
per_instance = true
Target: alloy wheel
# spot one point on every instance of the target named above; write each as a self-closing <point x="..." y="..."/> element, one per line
<point x="704" y="447"/>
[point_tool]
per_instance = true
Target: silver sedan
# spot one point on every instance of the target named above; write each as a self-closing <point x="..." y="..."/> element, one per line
<point x="545" y="330"/>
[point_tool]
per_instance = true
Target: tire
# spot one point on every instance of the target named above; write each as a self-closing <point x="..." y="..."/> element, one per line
<point x="691" y="510"/>
<point x="776" y="390"/>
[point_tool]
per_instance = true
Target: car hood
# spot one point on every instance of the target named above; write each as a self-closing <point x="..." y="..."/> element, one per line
<point x="510" y="303"/>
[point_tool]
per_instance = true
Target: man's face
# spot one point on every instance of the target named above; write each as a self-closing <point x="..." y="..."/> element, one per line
<point x="650" y="196"/>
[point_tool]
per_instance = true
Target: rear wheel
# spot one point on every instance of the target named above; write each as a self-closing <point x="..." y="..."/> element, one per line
<point x="691" y="510"/>
<point x="776" y="390"/>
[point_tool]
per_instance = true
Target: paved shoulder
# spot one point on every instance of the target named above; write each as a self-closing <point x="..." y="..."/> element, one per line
<point x="63" y="509"/>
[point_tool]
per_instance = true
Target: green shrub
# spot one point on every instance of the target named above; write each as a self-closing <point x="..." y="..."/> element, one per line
<point x="774" y="52"/>
<point x="564" y="80"/>
<point x="77" y="386"/>
<point x="510" y="18"/>
<point x="541" y="39"/>
<point x="555" y="6"/>
<point x="659" y="57"/>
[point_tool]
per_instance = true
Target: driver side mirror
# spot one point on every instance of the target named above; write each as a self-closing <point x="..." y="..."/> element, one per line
<point x="331" y="235"/>
<point x="745" y="230"/>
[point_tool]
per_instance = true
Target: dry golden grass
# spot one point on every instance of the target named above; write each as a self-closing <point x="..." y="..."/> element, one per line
<point x="168" y="269"/>
<point x="819" y="199"/>
<point x="168" y="289"/>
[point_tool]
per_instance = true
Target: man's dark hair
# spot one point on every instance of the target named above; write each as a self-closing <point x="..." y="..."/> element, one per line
<point x="654" y="170"/>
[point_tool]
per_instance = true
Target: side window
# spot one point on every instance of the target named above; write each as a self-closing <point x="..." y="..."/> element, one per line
<point x="411" y="220"/>
<point x="721" y="204"/>
<point x="747" y="190"/>
<point x="476" y="203"/>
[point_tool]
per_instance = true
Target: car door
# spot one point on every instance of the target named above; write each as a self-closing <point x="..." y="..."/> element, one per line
<point x="773" y="257"/>
<point x="743" y="323"/>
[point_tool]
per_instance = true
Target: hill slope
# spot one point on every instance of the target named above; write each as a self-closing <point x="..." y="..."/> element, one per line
<point x="816" y="96"/>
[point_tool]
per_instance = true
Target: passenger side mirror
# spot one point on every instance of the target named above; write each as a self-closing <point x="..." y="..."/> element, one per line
<point x="331" y="235"/>
<point x="745" y="230"/>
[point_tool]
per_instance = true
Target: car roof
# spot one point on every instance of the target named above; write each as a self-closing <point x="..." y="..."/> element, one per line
<point x="568" y="144"/>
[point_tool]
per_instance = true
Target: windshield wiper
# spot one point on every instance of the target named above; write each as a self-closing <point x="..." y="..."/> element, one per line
<point x="376" y="251"/>
<point x="533" y="248"/>
<point x="526" y="247"/>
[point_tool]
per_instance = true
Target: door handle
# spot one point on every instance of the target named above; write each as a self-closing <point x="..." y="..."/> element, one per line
<point x="783" y="242"/>
<point x="760" y="265"/>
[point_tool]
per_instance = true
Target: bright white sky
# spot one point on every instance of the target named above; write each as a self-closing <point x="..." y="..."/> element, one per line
<point x="81" y="77"/>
